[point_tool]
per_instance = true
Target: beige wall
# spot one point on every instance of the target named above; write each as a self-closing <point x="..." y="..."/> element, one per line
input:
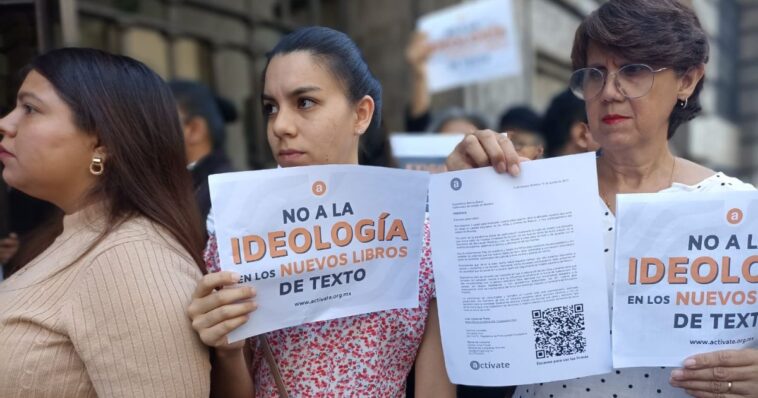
<point x="149" y="47"/>
<point x="748" y="78"/>
<point x="187" y="56"/>
<point x="233" y="81"/>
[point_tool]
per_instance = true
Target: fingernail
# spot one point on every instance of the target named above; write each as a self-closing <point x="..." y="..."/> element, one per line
<point x="252" y="291"/>
<point x="515" y="170"/>
<point x="501" y="167"/>
<point x="690" y="362"/>
<point x="676" y="374"/>
<point x="235" y="276"/>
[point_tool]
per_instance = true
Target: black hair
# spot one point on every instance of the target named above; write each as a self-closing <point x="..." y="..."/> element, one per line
<point x="227" y="108"/>
<point x="455" y="113"/>
<point x="342" y="57"/>
<point x="564" y="111"/>
<point x="660" y="33"/>
<point x="197" y="100"/>
<point x="522" y="118"/>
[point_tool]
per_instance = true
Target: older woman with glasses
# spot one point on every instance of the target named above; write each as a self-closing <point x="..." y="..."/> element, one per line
<point x="639" y="67"/>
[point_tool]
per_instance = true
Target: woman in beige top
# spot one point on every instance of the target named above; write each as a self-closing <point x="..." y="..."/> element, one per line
<point x="100" y="311"/>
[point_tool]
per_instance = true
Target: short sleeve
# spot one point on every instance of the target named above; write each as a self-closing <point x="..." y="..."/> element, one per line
<point x="210" y="255"/>
<point x="210" y="225"/>
<point x="427" y="290"/>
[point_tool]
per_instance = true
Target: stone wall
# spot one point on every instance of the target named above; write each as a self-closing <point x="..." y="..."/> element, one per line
<point x="724" y="137"/>
<point x="748" y="82"/>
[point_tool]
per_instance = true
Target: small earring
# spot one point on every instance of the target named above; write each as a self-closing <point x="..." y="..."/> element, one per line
<point x="683" y="104"/>
<point x="96" y="167"/>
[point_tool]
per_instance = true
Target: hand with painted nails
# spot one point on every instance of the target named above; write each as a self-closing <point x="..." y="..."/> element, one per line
<point x="218" y="307"/>
<point x="719" y="374"/>
<point x="485" y="148"/>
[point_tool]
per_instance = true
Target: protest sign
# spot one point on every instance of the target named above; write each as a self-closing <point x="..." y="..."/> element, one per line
<point x="472" y="42"/>
<point x="686" y="278"/>
<point x="320" y="242"/>
<point x="426" y="152"/>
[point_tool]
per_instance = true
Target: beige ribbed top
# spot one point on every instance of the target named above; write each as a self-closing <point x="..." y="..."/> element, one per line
<point x="113" y="324"/>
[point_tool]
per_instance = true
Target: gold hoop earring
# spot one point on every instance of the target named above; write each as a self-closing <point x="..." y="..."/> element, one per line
<point x="96" y="167"/>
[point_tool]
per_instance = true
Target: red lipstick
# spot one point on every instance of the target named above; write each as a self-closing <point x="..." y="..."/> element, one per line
<point x="614" y="119"/>
<point x="4" y="152"/>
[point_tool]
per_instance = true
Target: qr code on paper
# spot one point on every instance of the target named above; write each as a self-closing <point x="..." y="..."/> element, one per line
<point x="559" y="331"/>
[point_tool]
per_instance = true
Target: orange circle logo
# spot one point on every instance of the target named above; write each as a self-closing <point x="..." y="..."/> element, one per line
<point x="319" y="188"/>
<point x="734" y="216"/>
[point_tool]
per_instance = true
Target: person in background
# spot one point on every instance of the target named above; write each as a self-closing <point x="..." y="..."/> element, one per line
<point x="100" y="309"/>
<point x="456" y="120"/>
<point x="565" y="126"/>
<point x="419" y="117"/>
<point x="203" y="116"/>
<point x="24" y="217"/>
<point x="524" y="128"/>
<point x="637" y="92"/>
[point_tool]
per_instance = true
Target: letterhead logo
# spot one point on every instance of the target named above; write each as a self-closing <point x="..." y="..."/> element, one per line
<point x="456" y="184"/>
<point x="476" y="365"/>
<point x="734" y="216"/>
<point x="319" y="188"/>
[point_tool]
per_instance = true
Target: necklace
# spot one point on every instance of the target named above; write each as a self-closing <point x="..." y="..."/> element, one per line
<point x="604" y="195"/>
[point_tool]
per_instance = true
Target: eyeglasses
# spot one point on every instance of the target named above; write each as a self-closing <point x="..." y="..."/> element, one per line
<point x="632" y="81"/>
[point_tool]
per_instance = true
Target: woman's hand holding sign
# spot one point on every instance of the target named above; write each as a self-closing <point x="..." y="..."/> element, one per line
<point x="484" y="148"/>
<point x="719" y="374"/>
<point x="217" y="308"/>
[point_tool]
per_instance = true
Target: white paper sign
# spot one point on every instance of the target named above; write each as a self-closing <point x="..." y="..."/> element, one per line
<point x="519" y="273"/>
<point x="426" y="152"/>
<point x="686" y="278"/>
<point x="473" y="42"/>
<point x="321" y="242"/>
